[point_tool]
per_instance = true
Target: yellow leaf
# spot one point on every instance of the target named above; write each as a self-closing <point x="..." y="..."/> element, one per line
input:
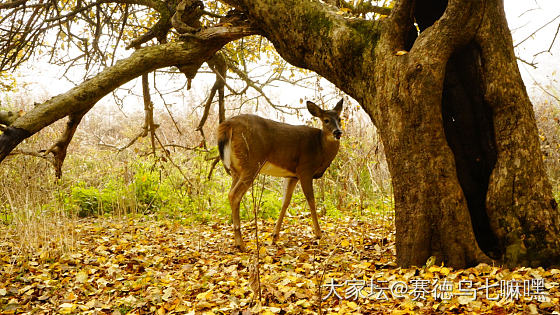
<point x="71" y="296"/>
<point x="44" y="255"/>
<point x="81" y="277"/>
<point x="344" y="243"/>
<point x="431" y="261"/>
<point x="181" y="308"/>
<point x="237" y="291"/>
<point x="364" y="265"/>
<point x="401" y="52"/>
<point x="307" y="266"/>
<point x="352" y="305"/>
<point x="464" y="300"/>
<point x="204" y="295"/>
<point x="303" y="303"/>
<point x="342" y="11"/>
<point x="434" y="268"/>
<point x="66" y="308"/>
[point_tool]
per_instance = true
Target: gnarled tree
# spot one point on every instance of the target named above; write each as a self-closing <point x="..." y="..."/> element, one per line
<point x="445" y="94"/>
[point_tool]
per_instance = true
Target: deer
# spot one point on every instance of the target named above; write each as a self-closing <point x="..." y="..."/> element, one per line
<point x="250" y="145"/>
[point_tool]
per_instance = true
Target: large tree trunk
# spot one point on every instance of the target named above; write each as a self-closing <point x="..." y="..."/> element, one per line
<point x="432" y="210"/>
<point x="455" y="119"/>
<point x="461" y="140"/>
<point x="523" y="213"/>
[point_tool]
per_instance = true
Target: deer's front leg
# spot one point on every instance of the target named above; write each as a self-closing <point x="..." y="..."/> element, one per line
<point x="307" y="187"/>
<point x="289" y="186"/>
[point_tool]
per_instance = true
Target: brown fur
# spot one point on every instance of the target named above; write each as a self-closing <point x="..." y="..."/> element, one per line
<point x="298" y="149"/>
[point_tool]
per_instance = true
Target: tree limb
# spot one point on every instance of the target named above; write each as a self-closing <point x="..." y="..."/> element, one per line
<point x="8" y="117"/>
<point x="84" y="96"/>
<point x="59" y="149"/>
<point x="314" y="32"/>
<point x="12" y="4"/>
<point x="218" y="64"/>
<point x="149" y="125"/>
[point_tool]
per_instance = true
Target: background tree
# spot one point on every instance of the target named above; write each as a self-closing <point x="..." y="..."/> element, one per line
<point x="438" y="78"/>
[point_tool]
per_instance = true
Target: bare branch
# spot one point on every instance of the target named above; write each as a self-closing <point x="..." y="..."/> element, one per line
<point x="551" y="42"/>
<point x="532" y="64"/>
<point x="537" y="30"/>
<point x="219" y="65"/>
<point x="59" y="149"/>
<point x="149" y="125"/>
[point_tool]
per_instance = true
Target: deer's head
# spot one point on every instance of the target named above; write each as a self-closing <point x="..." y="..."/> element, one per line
<point x="329" y="118"/>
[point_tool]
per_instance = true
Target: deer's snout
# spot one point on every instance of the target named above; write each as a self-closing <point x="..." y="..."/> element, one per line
<point x="337" y="133"/>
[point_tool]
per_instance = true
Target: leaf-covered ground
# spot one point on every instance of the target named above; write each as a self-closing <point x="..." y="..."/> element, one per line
<point x="140" y="266"/>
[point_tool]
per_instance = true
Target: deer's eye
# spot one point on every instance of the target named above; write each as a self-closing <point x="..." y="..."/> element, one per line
<point x="326" y="121"/>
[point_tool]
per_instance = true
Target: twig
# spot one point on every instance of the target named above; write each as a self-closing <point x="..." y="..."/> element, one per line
<point x="532" y="64"/>
<point x="551" y="43"/>
<point x="214" y="163"/>
<point x="149" y="125"/>
<point x="542" y="88"/>
<point x="256" y="208"/>
<point x="166" y="106"/>
<point x="168" y="156"/>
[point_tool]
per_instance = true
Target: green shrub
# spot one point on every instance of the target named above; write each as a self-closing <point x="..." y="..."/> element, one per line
<point x="147" y="184"/>
<point x="91" y="201"/>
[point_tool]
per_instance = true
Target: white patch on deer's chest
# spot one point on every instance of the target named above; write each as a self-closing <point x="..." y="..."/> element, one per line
<point x="275" y="170"/>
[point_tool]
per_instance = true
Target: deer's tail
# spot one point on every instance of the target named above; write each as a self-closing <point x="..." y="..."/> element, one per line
<point x="224" y="144"/>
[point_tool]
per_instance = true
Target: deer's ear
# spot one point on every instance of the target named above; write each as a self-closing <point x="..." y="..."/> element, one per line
<point x="338" y="107"/>
<point x="314" y="109"/>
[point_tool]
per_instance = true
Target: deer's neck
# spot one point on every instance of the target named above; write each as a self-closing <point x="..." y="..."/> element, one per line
<point x="330" y="146"/>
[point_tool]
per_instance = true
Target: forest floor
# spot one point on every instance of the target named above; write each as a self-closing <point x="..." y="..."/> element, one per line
<point x="137" y="265"/>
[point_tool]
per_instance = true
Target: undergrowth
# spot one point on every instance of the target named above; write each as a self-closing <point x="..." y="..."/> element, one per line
<point x="36" y="210"/>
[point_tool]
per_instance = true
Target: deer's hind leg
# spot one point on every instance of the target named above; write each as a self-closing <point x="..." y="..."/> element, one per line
<point x="241" y="183"/>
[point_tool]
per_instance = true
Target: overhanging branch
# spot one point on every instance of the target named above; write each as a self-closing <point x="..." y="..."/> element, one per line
<point x="84" y="96"/>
